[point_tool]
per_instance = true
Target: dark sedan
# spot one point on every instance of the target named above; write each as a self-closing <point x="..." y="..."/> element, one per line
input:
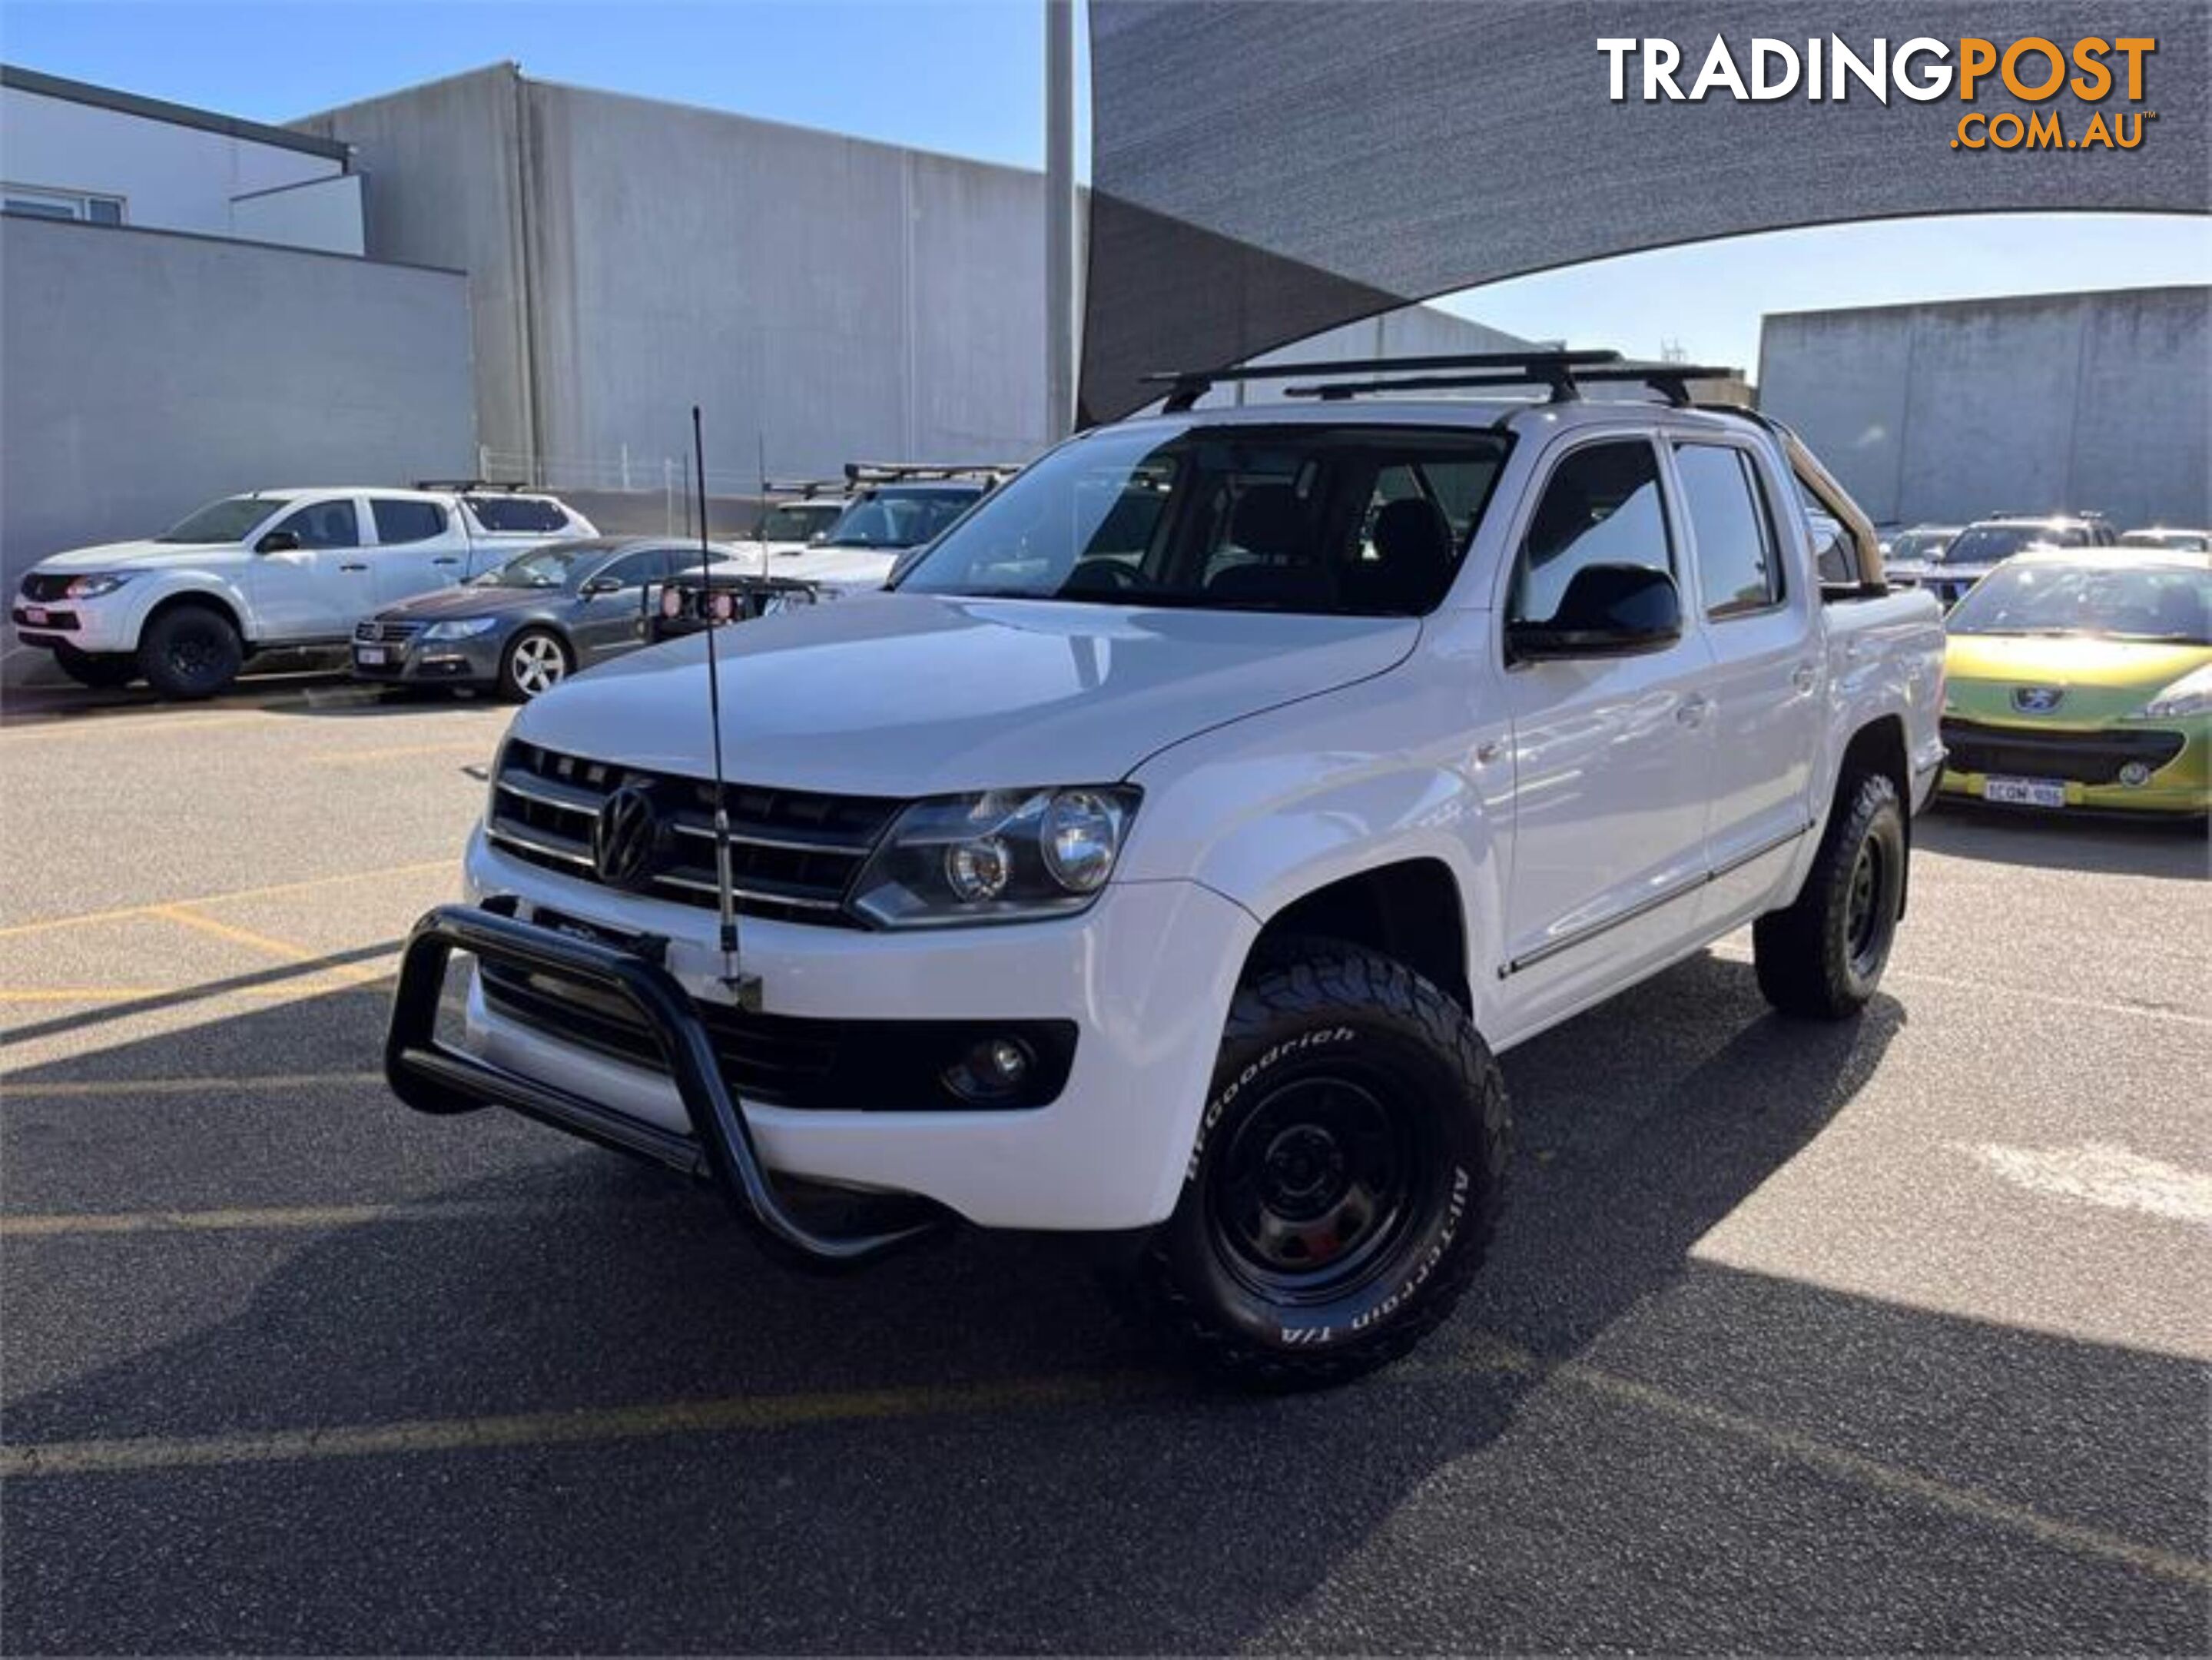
<point x="529" y="624"/>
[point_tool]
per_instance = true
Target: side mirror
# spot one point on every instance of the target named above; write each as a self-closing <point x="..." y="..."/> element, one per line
<point x="1607" y="610"/>
<point x="279" y="541"/>
<point x="818" y="538"/>
<point x="599" y="585"/>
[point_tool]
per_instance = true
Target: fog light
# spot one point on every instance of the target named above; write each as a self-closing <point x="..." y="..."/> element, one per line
<point x="2135" y="774"/>
<point x="991" y="1069"/>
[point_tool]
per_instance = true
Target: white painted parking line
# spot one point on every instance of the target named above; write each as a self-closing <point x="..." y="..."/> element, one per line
<point x="2097" y="1173"/>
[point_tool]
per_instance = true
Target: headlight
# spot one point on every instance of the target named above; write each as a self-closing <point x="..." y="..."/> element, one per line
<point x="91" y="588"/>
<point x="1005" y="855"/>
<point x="461" y="627"/>
<point x="2190" y="695"/>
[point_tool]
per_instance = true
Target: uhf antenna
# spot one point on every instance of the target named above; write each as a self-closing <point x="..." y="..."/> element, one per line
<point x="747" y="987"/>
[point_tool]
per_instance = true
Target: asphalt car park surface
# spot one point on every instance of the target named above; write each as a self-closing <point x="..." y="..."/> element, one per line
<point x="1882" y="1336"/>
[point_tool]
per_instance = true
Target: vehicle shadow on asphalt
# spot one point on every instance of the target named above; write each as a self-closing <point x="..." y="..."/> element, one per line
<point x="2175" y="849"/>
<point x="1453" y="1502"/>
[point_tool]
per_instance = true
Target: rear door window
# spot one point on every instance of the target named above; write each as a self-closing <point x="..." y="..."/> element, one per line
<point x="399" y="521"/>
<point x="520" y="515"/>
<point x="1739" y="556"/>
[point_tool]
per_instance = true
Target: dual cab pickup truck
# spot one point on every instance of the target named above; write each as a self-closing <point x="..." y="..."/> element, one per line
<point x="273" y="569"/>
<point x="1168" y="854"/>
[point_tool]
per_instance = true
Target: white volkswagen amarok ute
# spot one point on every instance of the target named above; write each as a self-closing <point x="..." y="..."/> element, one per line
<point x="1168" y="856"/>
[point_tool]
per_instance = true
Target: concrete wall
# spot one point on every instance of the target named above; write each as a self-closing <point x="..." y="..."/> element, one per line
<point x="831" y="297"/>
<point x="144" y="373"/>
<point x="170" y="177"/>
<point x="1950" y="411"/>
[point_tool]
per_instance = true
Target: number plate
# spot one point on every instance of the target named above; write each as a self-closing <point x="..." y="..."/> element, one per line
<point x="2025" y="791"/>
<point x="368" y="653"/>
<point x="34" y="613"/>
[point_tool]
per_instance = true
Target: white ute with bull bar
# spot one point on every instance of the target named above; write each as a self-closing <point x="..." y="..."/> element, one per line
<point x="1170" y="853"/>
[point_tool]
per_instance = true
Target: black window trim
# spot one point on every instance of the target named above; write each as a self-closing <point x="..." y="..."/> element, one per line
<point x="1735" y="610"/>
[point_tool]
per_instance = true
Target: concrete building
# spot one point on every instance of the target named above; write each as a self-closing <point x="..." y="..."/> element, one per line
<point x="72" y="151"/>
<point x="1949" y="411"/>
<point x="823" y="298"/>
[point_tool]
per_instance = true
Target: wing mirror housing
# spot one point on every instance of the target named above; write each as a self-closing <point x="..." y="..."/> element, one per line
<point x="599" y="585"/>
<point x="279" y="541"/>
<point x="1607" y="610"/>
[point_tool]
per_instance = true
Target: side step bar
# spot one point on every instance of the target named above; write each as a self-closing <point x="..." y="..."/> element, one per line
<point x="432" y="1077"/>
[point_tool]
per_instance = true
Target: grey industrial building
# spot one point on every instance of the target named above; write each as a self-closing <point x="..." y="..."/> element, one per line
<point x="1950" y="410"/>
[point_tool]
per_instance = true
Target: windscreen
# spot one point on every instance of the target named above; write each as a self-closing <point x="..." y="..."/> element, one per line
<point x="2170" y="604"/>
<point x="1358" y="521"/>
<point x="230" y="519"/>
<point x="1984" y="544"/>
<point x="796" y="523"/>
<point x="897" y="518"/>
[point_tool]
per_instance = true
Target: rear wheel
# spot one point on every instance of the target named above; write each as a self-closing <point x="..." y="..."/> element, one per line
<point x="1823" y="957"/>
<point x="190" y="651"/>
<point x="1345" y="1180"/>
<point x="534" y="663"/>
<point x="102" y="671"/>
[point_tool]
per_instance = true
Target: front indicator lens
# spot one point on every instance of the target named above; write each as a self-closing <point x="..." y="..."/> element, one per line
<point x="998" y="856"/>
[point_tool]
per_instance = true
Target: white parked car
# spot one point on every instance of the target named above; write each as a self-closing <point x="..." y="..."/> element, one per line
<point x="185" y="609"/>
<point x="1170" y="853"/>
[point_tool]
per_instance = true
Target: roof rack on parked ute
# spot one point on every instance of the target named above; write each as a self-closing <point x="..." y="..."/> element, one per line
<point x="1672" y="381"/>
<point x="1548" y="364"/>
<point x="805" y="489"/>
<point x="470" y="486"/>
<point x="894" y="473"/>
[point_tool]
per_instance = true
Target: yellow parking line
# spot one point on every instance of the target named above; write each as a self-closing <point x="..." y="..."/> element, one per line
<point x="340" y="757"/>
<point x="304" y="885"/>
<point x="1486" y="1355"/>
<point x="283" y="948"/>
<point x="131" y="1088"/>
<point x="535" y="1429"/>
<point x="289" y="988"/>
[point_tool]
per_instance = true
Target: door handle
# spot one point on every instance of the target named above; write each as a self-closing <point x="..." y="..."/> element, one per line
<point x="1692" y="710"/>
<point x="353" y="567"/>
<point x="444" y="559"/>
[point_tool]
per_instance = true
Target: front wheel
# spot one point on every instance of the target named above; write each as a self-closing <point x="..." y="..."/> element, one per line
<point x="1823" y="957"/>
<point x="190" y="651"/>
<point x="1345" y="1179"/>
<point x="533" y="665"/>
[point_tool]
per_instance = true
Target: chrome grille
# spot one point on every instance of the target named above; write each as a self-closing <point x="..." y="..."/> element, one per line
<point x="376" y="631"/>
<point x="794" y="854"/>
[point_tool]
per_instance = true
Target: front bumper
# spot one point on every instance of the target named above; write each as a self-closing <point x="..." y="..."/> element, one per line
<point x="102" y="625"/>
<point x="470" y="662"/>
<point x="1147" y="975"/>
<point x="2086" y="762"/>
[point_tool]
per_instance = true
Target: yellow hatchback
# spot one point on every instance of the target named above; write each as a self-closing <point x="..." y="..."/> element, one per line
<point x="2082" y="678"/>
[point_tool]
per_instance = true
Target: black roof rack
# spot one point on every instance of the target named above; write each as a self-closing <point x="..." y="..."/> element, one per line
<point x="1187" y="386"/>
<point x="805" y="489"/>
<point x="892" y="472"/>
<point x="1671" y="380"/>
<point x="470" y="486"/>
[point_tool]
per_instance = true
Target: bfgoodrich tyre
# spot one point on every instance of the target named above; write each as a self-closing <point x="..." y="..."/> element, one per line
<point x="1345" y="1180"/>
<point x="1823" y="957"/>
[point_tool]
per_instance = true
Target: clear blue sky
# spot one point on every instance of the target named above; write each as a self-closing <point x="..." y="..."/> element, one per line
<point x="965" y="76"/>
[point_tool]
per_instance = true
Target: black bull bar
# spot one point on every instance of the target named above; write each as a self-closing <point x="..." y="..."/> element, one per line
<point x="434" y="1077"/>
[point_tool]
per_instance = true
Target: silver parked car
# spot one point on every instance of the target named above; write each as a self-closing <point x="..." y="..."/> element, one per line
<point x="524" y="626"/>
